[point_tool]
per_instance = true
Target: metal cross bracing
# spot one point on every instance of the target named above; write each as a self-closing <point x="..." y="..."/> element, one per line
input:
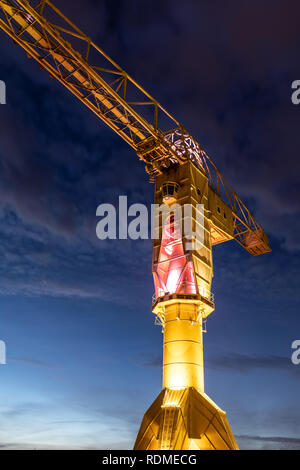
<point x="70" y="56"/>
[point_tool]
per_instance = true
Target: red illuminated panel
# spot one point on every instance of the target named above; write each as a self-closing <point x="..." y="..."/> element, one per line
<point x="174" y="271"/>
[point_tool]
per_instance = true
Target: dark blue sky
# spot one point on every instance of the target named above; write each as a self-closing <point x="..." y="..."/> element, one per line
<point x="84" y="356"/>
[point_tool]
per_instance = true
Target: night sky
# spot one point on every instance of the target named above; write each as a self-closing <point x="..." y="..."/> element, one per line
<point x="83" y="353"/>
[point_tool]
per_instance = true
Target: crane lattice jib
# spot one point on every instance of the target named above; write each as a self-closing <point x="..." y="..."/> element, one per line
<point x="89" y="73"/>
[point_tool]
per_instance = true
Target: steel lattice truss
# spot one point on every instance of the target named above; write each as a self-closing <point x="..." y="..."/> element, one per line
<point x="94" y="78"/>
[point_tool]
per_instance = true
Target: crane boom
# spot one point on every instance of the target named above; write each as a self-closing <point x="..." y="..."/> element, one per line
<point x="94" y="78"/>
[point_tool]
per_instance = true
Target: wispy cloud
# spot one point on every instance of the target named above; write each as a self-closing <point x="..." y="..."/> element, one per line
<point x="24" y="360"/>
<point x="268" y="442"/>
<point x="147" y="360"/>
<point x="246" y="362"/>
<point x="288" y="440"/>
<point x="229" y="360"/>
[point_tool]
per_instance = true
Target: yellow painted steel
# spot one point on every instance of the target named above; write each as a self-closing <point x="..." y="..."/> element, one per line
<point x="70" y="56"/>
<point x="183" y="347"/>
<point x="182" y="417"/>
<point x="184" y="420"/>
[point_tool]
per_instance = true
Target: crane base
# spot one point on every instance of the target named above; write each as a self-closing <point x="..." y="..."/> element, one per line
<point x="184" y="420"/>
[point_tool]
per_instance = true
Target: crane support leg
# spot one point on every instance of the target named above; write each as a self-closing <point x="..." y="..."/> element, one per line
<point x="184" y="419"/>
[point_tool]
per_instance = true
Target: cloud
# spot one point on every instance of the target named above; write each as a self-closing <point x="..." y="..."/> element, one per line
<point x="245" y="362"/>
<point x="268" y="442"/>
<point x="9" y="445"/>
<point x="235" y="105"/>
<point x="289" y="440"/>
<point x="52" y="289"/>
<point x="230" y="360"/>
<point x="58" y="163"/>
<point x="147" y="360"/>
<point x="63" y="155"/>
<point x="33" y="362"/>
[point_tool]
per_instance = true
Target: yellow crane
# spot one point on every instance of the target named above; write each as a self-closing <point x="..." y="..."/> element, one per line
<point x="182" y="416"/>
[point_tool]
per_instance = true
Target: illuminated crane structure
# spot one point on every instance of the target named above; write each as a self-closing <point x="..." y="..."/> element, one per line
<point x="182" y="416"/>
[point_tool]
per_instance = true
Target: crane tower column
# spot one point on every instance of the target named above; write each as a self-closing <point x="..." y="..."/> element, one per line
<point x="183" y="417"/>
<point x="183" y="348"/>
